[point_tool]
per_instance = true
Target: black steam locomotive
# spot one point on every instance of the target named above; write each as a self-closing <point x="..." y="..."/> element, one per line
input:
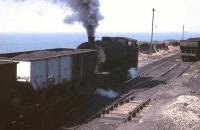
<point x="115" y="55"/>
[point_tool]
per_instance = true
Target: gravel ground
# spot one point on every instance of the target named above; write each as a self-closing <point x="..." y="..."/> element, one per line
<point x="176" y="106"/>
<point x="145" y="59"/>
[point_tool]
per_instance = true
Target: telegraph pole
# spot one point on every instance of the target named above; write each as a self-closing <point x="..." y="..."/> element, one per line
<point x="153" y="10"/>
<point x="183" y="33"/>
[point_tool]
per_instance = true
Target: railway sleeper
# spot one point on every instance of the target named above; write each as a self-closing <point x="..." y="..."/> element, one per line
<point x="120" y="102"/>
<point x="136" y="110"/>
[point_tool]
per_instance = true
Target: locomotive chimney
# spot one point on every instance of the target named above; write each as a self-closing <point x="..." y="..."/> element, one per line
<point x="91" y="39"/>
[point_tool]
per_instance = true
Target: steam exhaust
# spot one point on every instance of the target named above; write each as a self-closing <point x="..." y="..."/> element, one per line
<point x="133" y="73"/>
<point x="107" y="93"/>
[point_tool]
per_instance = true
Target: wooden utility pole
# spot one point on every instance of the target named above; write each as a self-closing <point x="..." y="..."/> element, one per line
<point x="183" y="33"/>
<point x="152" y="27"/>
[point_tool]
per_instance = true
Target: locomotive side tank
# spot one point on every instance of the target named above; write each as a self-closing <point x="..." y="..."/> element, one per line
<point x="114" y="53"/>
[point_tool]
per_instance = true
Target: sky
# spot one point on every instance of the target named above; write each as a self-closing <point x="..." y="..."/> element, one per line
<point x="119" y="16"/>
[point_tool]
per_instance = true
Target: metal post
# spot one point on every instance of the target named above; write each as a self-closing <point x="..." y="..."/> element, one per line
<point x="152" y="32"/>
<point x="183" y="33"/>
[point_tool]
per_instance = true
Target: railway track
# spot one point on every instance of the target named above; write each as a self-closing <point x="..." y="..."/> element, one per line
<point x="145" y="73"/>
<point x="126" y="105"/>
<point x="149" y="67"/>
<point x="152" y="74"/>
<point x="117" y="113"/>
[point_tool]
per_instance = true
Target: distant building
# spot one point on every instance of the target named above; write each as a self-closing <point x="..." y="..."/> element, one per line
<point x="194" y="39"/>
<point x="190" y="49"/>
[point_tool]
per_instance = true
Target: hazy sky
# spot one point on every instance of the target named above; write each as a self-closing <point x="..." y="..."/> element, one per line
<point x="119" y="16"/>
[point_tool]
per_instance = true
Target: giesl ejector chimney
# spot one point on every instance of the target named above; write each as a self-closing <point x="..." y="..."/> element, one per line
<point x="91" y="39"/>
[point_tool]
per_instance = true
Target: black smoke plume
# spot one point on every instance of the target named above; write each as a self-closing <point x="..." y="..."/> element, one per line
<point x="86" y="12"/>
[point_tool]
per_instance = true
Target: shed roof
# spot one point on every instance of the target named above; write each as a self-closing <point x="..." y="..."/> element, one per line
<point x="194" y="39"/>
<point x="38" y="55"/>
<point x="6" y="62"/>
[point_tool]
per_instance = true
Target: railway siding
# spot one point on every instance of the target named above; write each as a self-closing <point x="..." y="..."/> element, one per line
<point x="122" y="111"/>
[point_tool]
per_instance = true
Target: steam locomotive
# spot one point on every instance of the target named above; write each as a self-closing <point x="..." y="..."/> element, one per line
<point x="115" y="55"/>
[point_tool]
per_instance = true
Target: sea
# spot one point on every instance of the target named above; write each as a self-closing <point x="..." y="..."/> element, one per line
<point x="17" y="42"/>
